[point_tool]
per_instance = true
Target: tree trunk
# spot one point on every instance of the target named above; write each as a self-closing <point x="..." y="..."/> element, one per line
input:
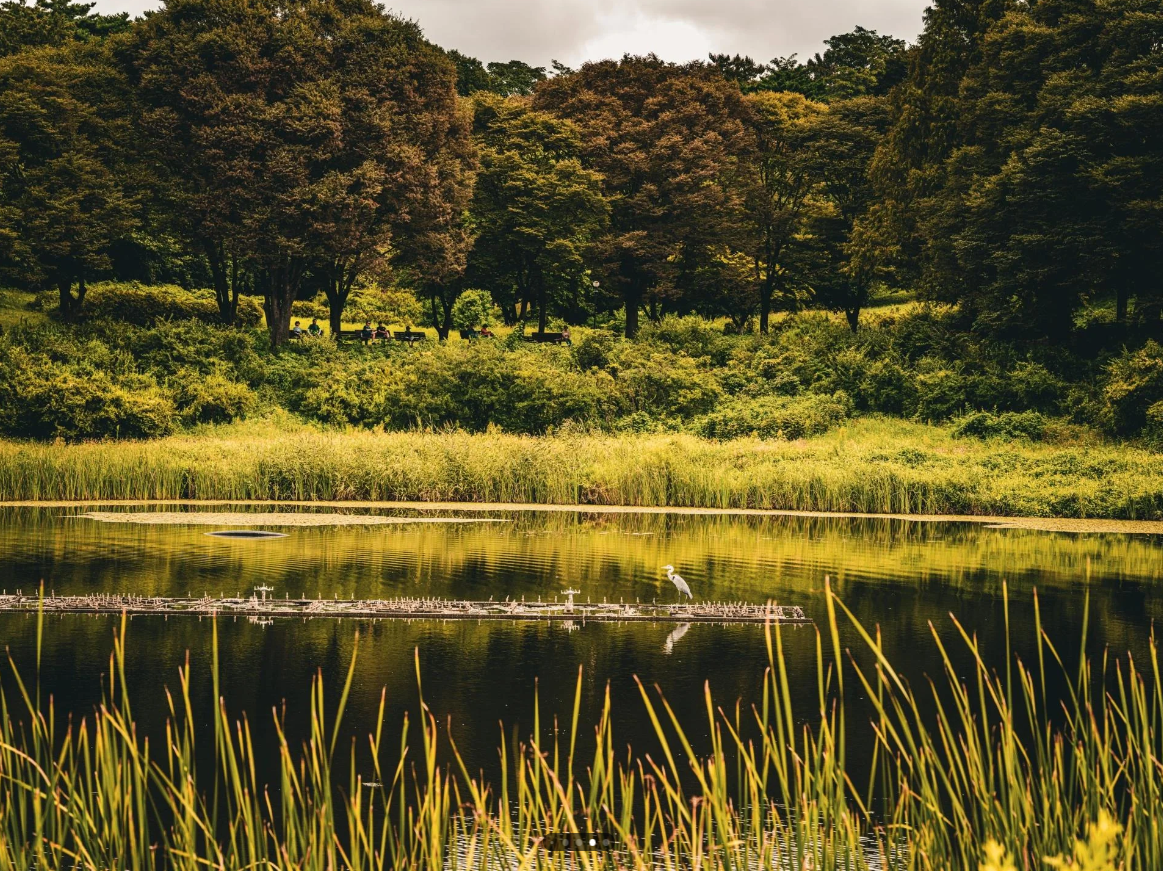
<point x="447" y="328"/>
<point x="633" y="299"/>
<point x="224" y="293"/>
<point x="65" y="286"/>
<point x="853" y="315"/>
<point x="336" y="301"/>
<point x="442" y="317"/>
<point x="540" y="306"/>
<point x="1121" y="298"/>
<point x="71" y="305"/>
<point x="764" y="307"/>
<point x="280" y="286"/>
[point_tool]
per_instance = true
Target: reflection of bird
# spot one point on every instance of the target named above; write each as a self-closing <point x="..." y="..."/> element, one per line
<point x="678" y="581"/>
<point x="674" y="636"/>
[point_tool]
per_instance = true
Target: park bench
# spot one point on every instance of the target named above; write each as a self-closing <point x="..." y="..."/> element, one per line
<point x="349" y="335"/>
<point x="469" y="334"/>
<point x="410" y="336"/>
<point x="555" y="338"/>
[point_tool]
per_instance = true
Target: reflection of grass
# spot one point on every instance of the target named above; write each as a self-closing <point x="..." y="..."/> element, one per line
<point x="872" y="465"/>
<point x="989" y="767"/>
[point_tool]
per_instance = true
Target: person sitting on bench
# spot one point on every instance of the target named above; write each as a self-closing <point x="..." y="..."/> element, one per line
<point x="367" y="333"/>
<point x="381" y="332"/>
<point x="297" y="331"/>
<point x="314" y="329"/>
<point x="486" y="333"/>
<point x="565" y="336"/>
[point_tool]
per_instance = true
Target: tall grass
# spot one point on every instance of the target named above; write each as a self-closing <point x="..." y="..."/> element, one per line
<point x="874" y="465"/>
<point x="984" y="767"/>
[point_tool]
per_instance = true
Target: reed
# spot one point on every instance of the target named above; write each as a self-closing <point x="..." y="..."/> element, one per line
<point x="873" y="465"/>
<point x="979" y="769"/>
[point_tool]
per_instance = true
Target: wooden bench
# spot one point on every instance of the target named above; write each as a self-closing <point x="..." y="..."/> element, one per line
<point x="554" y="338"/>
<point x="410" y="336"/>
<point x="469" y="334"/>
<point x="352" y="335"/>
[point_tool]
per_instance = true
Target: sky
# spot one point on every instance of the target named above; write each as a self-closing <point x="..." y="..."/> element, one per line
<point x="574" y="31"/>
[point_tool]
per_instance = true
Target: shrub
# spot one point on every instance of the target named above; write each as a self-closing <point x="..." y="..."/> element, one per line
<point x="391" y="305"/>
<point x="146" y="305"/>
<point x="474" y="308"/>
<point x="775" y="417"/>
<point x="592" y="350"/>
<point x="1134" y="383"/>
<point x="652" y="380"/>
<point x="211" y="398"/>
<point x="941" y="390"/>
<point x="1010" y="425"/>
<point x="52" y="401"/>
<point x="690" y="335"/>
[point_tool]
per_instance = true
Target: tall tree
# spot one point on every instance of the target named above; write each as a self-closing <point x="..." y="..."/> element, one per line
<point x="296" y="137"/>
<point x="63" y="194"/>
<point x="1021" y="174"/>
<point x="667" y="141"/>
<point x="48" y="23"/>
<point x="843" y="142"/>
<point x="783" y="179"/>
<point x="537" y="209"/>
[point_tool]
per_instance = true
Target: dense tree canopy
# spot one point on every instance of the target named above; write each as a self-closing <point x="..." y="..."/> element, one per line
<point x="667" y="141"/>
<point x="64" y="177"/>
<point x="1008" y="164"/>
<point x="537" y="209"/>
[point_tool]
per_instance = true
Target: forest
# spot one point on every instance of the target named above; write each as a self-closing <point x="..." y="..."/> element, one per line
<point x="964" y="229"/>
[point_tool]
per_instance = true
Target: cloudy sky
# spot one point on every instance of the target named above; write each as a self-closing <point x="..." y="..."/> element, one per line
<point x="573" y="31"/>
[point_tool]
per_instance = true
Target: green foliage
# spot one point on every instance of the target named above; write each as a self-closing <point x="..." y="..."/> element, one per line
<point x="145" y="305"/>
<point x="775" y="417"/>
<point x="210" y="398"/>
<point x="474" y="309"/>
<point x="48" y="399"/>
<point x="1008" y="425"/>
<point x="1133" y="388"/>
<point x="389" y="305"/>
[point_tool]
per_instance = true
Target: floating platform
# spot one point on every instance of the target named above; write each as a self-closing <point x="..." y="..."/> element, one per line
<point x="409" y="609"/>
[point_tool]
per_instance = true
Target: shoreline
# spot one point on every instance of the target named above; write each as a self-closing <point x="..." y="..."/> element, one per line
<point x="1043" y="524"/>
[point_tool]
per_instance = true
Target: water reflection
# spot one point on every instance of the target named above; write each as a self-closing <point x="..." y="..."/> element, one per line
<point x="901" y="576"/>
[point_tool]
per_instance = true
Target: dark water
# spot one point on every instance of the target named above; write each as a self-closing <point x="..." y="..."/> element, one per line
<point x="900" y="576"/>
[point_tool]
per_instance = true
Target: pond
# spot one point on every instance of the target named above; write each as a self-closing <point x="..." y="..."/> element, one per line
<point x="481" y="679"/>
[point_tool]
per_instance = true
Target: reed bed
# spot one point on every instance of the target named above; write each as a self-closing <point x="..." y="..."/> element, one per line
<point x="873" y="465"/>
<point x="977" y="770"/>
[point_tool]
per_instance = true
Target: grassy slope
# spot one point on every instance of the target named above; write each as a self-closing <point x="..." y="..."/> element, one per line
<point x="873" y="465"/>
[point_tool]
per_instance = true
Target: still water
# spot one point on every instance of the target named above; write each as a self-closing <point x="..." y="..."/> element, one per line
<point x="480" y="679"/>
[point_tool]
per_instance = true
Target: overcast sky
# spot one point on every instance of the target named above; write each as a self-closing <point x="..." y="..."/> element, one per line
<point x="573" y="31"/>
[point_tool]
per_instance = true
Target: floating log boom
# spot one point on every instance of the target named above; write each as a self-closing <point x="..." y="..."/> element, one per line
<point x="408" y="609"/>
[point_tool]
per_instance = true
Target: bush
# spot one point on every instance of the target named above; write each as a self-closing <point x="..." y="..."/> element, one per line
<point x="146" y="305"/>
<point x="470" y="386"/>
<point x="655" y="381"/>
<point x="390" y="305"/>
<point x="690" y="335"/>
<point x="775" y="417"/>
<point x="47" y="400"/>
<point x="211" y="398"/>
<point x="1009" y="425"/>
<point x="474" y="308"/>
<point x="592" y="350"/>
<point x="1134" y="383"/>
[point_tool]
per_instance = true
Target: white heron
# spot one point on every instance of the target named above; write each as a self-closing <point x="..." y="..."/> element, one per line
<point x="678" y="581"/>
